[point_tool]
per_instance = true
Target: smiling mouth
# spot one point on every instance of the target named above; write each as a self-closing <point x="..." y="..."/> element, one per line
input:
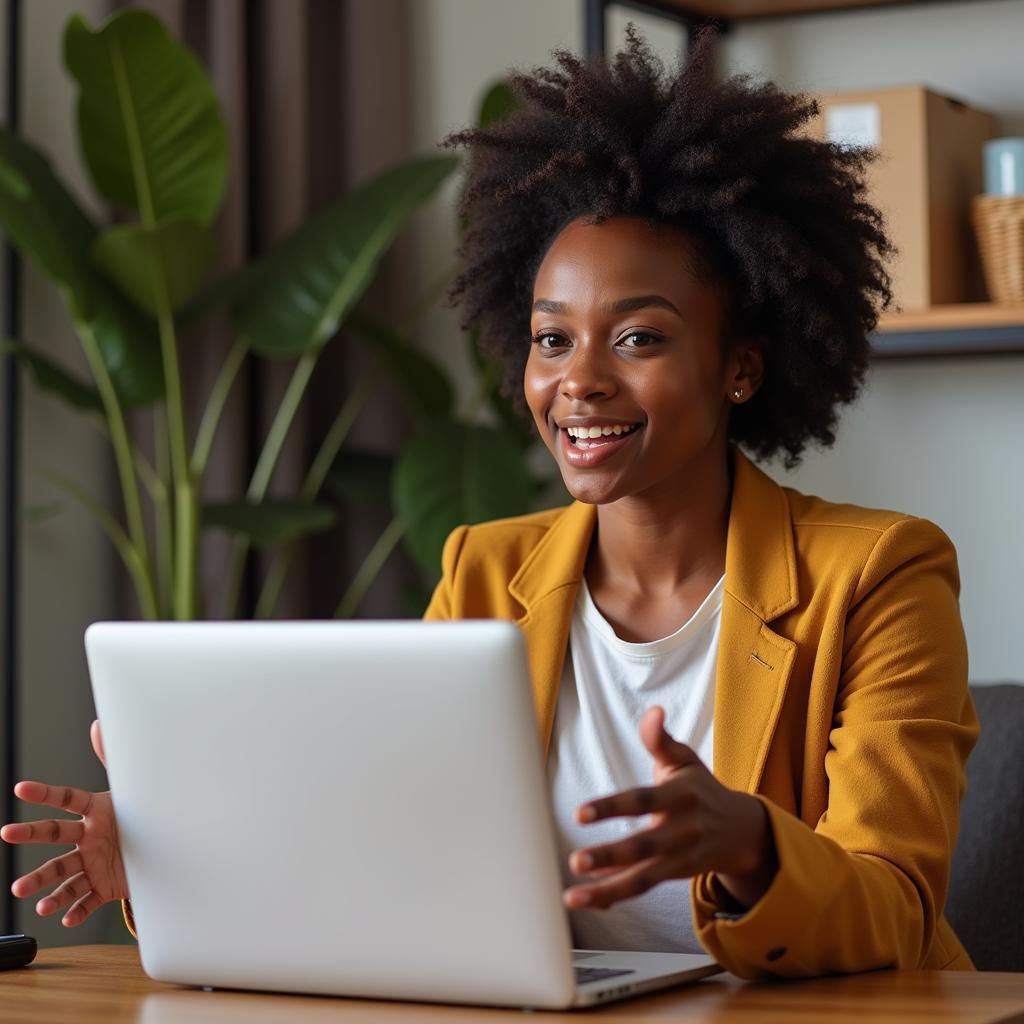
<point x="589" y="452"/>
<point x="587" y="438"/>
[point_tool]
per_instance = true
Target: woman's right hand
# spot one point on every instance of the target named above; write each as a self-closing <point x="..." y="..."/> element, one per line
<point x="89" y="875"/>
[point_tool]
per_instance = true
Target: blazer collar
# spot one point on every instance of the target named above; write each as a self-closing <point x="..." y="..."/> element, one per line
<point x="760" y="559"/>
<point x="754" y="663"/>
<point x="760" y="531"/>
<point x="558" y="560"/>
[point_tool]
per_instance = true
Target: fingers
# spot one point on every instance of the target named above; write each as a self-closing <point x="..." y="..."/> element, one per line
<point x="97" y="742"/>
<point x="629" y="803"/>
<point x="653" y="842"/>
<point x="634" y="881"/>
<point x="80" y="910"/>
<point x="50" y="873"/>
<point x="68" y="892"/>
<point x="52" y="831"/>
<point x="667" y="752"/>
<point x="77" y="891"/>
<point x="64" y="798"/>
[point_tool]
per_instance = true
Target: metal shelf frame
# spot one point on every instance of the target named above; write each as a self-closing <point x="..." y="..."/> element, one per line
<point x="594" y="15"/>
<point x="945" y="343"/>
<point x="10" y="461"/>
<point x="888" y="344"/>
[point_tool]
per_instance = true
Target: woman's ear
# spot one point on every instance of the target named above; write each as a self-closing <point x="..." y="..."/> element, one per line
<point x="746" y="368"/>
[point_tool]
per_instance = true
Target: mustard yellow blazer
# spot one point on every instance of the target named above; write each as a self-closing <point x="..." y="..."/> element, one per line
<point x="841" y="701"/>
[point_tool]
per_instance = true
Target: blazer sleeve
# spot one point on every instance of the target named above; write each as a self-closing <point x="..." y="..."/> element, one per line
<point x="865" y="887"/>
<point x="442" y="602"/>
<point x="129" y="917"/>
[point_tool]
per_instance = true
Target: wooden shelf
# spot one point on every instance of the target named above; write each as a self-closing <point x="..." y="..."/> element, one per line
<point x="734" y="10"/>
<point x="966" y="328"/>
<point x="750" y="10"/>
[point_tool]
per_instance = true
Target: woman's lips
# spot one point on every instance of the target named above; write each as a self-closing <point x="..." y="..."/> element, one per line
<point x="604" y="448"/>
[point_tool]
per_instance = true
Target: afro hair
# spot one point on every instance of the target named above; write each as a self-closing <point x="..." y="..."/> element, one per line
<point x="779" y="220"/>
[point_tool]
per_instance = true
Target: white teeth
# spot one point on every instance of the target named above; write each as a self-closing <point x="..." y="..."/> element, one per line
<point x="618" y="428"/>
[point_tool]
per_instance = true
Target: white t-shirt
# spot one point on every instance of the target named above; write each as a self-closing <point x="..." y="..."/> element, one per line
<point x="606" y="686"/>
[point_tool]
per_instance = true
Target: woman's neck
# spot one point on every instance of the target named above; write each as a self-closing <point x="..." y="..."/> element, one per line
<point x="667" y="539"/>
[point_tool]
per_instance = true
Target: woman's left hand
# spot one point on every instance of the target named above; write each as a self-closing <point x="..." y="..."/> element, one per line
<point x="697" y="825"/>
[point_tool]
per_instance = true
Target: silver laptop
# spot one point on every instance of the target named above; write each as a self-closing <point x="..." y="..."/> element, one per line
<point x="344" y="808"/>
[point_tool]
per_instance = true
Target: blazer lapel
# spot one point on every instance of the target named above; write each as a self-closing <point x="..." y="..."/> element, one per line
<point x="754" y="662"/>
<point x="546" y="586"/>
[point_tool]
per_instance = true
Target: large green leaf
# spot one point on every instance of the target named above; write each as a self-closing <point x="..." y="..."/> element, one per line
<point x="362" y="477"/>
<point x="272" y="521"/>
<point x="224" y="291"/>
<point x="415" y="597"/>
<point x="175" y="253"/>
<point x="518" y="425"/>
<point x="43" y="220"/>
<point x="420" y="380"/>
<point x="148" y="120"/>
<point x="311" y="280"/>
<point x="50" y="376"/>
<point x="497" y="103"/>
<point x="130" y="348"/>
<point x="453" y="473"/>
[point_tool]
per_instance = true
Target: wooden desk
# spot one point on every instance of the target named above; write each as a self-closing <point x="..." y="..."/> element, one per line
<point x="105" y="985"/>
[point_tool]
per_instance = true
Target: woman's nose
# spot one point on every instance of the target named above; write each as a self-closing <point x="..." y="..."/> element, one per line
<point x="587" y="375"/>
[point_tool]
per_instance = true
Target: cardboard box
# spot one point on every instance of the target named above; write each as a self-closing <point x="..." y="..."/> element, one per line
<point x="929" y="169"/>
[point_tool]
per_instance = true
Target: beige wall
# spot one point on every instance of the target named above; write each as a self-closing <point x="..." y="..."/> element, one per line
<point x="67" y="568"/>
<point x="935" y="438"/>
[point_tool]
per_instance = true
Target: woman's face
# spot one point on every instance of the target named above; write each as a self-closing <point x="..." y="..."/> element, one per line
<point x="626" y="337"/>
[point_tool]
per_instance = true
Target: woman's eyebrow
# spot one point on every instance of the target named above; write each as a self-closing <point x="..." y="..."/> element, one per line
<point x="628" y="305"/>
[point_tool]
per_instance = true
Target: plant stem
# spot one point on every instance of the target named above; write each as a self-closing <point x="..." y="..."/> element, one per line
<point x="147" y="474"/>
<point x="119" y="442"/>
<point x="282" y="424"/>
<point x="264" y="470"/>
<point x="272" y="585"/>
<point x="318" y="471"/>
<point x="215" y="406"/>
<point x="371" y="567"/>
<point x="163" y="514"/>
<point x="134" y="563"/>
<point x="336" y="435"/>
<point x="155" y="481"/>
<point x="186" y="504"/>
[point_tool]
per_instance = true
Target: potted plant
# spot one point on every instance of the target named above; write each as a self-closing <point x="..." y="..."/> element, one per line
<point x="154" y="142"/>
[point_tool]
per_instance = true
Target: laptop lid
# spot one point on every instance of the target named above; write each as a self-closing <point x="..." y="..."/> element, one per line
<point x="350" y="808"/>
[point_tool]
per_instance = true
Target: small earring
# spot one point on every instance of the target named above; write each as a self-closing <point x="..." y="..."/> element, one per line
<point x="737" y="393"/>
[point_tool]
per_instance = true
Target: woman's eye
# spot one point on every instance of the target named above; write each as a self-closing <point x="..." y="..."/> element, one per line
<point x="640" y="339"/>
<point x="548" y="340"/>
<point x="634" y="339"/>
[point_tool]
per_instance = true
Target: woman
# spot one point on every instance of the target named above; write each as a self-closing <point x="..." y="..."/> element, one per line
<point x="668" y="269"/>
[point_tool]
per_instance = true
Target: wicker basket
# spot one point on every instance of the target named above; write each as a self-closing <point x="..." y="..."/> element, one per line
<point x="999" y="227"/>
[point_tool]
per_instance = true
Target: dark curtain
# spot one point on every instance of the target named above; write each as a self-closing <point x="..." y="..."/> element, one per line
<point x="309" y="115"/>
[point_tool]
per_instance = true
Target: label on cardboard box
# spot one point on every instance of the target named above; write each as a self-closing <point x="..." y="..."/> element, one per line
<point x="853" y="124"/>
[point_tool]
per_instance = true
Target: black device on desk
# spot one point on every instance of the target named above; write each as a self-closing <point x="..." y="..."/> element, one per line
<point x="16" y="951"/>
